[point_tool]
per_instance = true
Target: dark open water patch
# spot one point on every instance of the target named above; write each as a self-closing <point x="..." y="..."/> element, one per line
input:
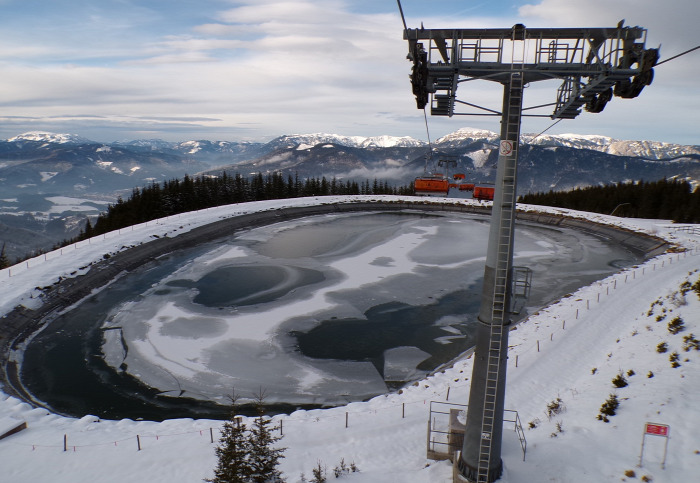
<point x="250" y="285"/>
<point x="391" y="325"/>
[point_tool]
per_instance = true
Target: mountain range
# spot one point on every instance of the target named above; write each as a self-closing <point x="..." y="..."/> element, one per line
<point x="37" y="168"/>
<point x="64" y="164"/>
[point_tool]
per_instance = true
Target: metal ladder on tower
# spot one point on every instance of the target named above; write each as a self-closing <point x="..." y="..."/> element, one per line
<point x="500" y="309"/>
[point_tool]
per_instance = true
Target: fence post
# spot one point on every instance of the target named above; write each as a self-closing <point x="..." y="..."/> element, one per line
<point x="346" y="419"/>
<point x="65" y="442"/>
<point x="516" y="360"/>
<point x="563" y="324"/>
<point x="138" y="442"/>
<point x="448" y="394"/>
<point x="538" y="345"/>
<point x="403" y="410"/>
<point x="281" y="432"/>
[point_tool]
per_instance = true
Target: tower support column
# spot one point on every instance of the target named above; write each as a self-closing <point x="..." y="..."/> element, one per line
<point x="480" y="459"/>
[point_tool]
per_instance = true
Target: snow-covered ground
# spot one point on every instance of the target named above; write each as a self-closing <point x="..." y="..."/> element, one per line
<point x="570" y="350"/>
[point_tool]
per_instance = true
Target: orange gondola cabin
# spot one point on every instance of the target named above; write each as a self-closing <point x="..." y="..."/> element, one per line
<point x="434" y="182"/>
<point x="484" y="193"/>
<point x="431" y="185"/>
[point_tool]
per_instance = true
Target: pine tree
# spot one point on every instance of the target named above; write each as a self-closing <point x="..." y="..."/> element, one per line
<point x="319" y="474"/>
<point x="233" y="451"/>
<point x="4" y="261"/>
<point x="264" y="457"/>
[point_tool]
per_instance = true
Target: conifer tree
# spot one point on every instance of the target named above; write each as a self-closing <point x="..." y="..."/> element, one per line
<point x="264" y="457"/>
<point x="4" y="261"/>
<point x="233" y="451"/>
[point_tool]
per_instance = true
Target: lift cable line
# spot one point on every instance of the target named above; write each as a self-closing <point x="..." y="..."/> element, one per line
<point x="679" y="55"/>
<point x="594" y="65"/>
<point x="548" y="128"/>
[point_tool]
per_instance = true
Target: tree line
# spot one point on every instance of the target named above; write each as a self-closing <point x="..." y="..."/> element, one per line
<point x="674" y="200"/>
<point x="195" y="193"/>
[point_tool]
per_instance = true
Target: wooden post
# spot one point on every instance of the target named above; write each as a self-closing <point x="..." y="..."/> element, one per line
<point x="403" y="410"/>
<point x="538" y="345"/>
<point x="65" y="442"/>
<point x="448" y="394"/>
<point x="576" y="314"/>
<point x="516" y="360"/>
<point x="563" y="324"/>
<point x="346" y="419"/>
<point x="281" y="431"/>
<point x="211" y="434"/>
<point x="138" y="442"/>
<point x="551" y="336"/>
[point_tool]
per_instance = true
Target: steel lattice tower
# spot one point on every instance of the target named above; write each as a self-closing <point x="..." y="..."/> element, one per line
<point x="594" y="64"/>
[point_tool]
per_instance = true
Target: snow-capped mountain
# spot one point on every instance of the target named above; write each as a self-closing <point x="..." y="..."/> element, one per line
<point x="40" y="162"/>
<point x="49" y="137"/>
<point x="468" y="135"/>
<point x="641" y="149"/>
<point x="311" y="140"/>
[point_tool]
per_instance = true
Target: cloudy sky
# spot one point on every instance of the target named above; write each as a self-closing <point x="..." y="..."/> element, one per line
<point x="255" y="69"/>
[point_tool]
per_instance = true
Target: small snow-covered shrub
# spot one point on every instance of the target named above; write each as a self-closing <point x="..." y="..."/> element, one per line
<point x="609" y="408"/>
<point x="343" y="469"/>
<point x="676" y="325"/>
<point x="690" y="342"/>
<point x="319" y="473"/>
<point x="619" y="380"/>
<point x="696" y="287"/>
<point x="555" y="407"/>
<point x="674" y="360"/>
<point x="559" y="429"/>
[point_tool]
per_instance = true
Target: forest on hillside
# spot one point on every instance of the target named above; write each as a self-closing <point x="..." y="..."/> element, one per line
<point x="663" y="200"/>
<point x="196" y="193"/>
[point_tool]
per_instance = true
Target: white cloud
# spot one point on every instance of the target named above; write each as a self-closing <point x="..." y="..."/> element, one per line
<point x="274" y="67"/>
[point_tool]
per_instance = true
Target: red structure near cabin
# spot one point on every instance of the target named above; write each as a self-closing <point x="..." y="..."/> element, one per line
<point x="484" y="193"/>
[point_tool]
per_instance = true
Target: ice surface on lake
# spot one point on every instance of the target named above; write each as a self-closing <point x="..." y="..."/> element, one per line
<point x="262" y="286"/>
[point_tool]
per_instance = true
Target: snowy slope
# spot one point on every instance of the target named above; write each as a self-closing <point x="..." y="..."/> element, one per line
<point x="610" y="326"/>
